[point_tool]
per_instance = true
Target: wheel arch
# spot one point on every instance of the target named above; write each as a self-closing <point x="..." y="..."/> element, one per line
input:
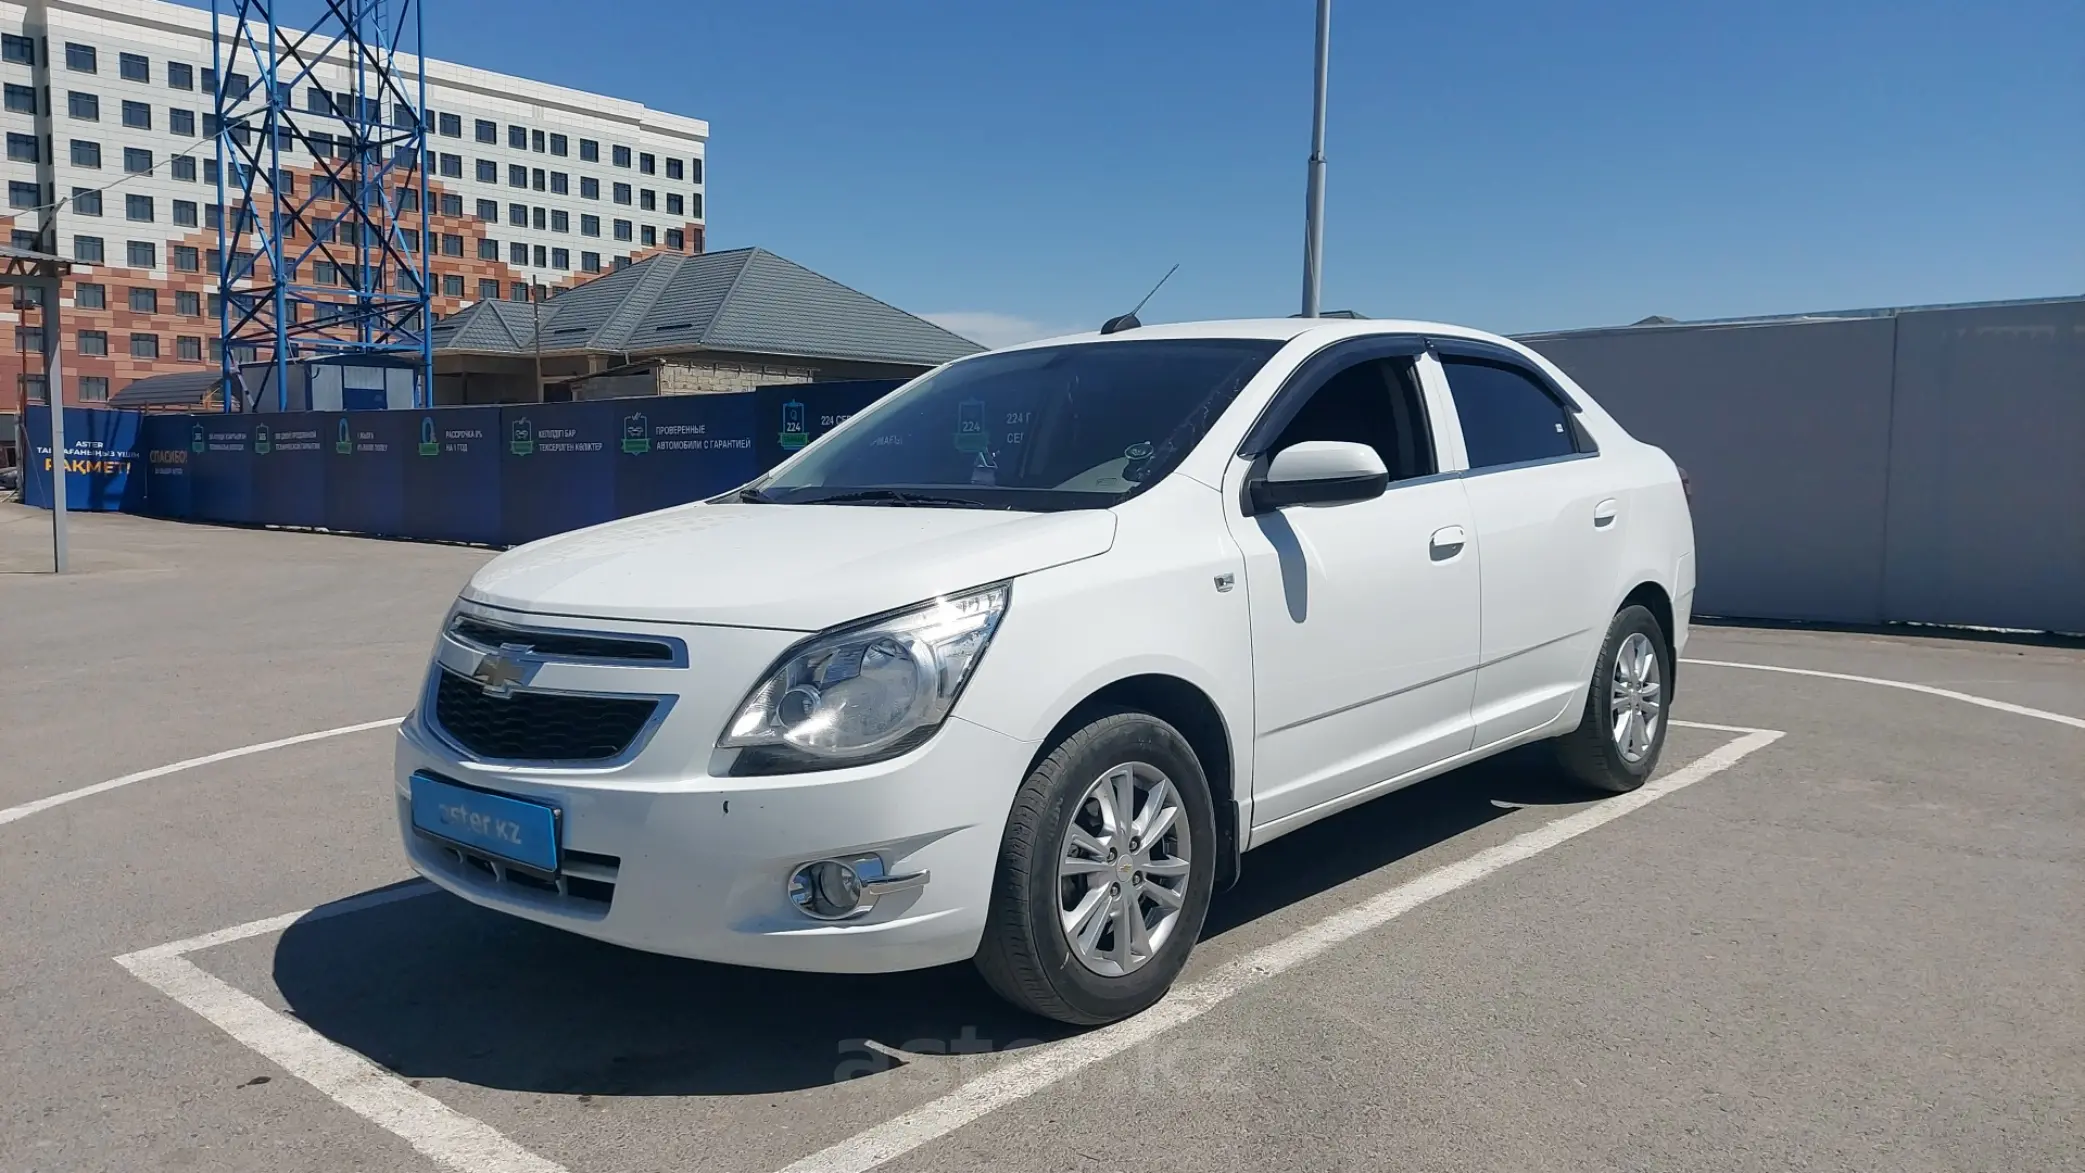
<point x="1652" y="596"/>
<point x="1187" y="708"/>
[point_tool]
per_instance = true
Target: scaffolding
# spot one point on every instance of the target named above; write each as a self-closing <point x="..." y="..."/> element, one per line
<point x="360" y="221"/>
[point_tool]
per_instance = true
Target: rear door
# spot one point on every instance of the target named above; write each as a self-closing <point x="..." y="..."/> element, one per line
<point x="1549" y="528"/>
<point x="1364" y="614"/>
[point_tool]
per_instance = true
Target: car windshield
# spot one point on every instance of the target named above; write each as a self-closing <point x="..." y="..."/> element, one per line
<point x="1056" y="427"/>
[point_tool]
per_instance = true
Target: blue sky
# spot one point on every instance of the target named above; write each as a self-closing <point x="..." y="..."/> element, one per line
<point x="1021" y="168"/>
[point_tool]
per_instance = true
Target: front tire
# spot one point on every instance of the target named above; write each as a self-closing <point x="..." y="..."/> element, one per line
<point x="1617" y="742"/>
<point x="1105" y="873"/>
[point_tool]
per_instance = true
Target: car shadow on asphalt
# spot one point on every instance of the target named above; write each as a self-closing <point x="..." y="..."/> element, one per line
<point x="438" y="988"/>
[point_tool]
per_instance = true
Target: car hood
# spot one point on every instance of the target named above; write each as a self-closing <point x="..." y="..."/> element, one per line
<point x="793" y="567"/>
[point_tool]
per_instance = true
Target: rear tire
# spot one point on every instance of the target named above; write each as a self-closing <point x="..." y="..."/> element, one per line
<point x="1070" y="849"/>
<point x="1616" y="745"/>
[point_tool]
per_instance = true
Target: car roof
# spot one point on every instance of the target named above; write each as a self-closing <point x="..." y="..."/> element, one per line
<point x="1277" y="329"/>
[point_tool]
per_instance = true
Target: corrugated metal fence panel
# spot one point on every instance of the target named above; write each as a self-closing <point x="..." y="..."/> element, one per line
<point x="1987" y="468"/>
<point x="1784" y="430"/>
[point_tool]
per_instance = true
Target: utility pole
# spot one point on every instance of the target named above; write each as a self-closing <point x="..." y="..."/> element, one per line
<point x="54" y="394"/>
<point x="535" y="333"/>
<point x="1314" y="197"/>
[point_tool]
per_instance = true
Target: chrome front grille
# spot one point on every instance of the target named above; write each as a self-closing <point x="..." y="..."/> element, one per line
<point x="488" y="635"/>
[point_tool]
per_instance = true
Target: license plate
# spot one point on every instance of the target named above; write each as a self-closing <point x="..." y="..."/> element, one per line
<point x="509" y="829"/>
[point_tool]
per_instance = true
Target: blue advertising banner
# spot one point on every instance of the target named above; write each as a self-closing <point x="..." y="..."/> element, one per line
<point x="365" y="478"/>
<point x="556" y="469"/>
<point x="220" y="461"/>
<point x="790" y="417"/>
<point x="289" y="469"/>
<point x="168" y="463"/>
<point x="452" y="474"/>
<point x="680" y="448"/>
<point x="101" y="455"/>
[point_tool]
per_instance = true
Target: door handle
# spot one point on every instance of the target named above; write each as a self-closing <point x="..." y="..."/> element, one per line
<point x="1604" y="513"/>
<point x="1447" y="542"/>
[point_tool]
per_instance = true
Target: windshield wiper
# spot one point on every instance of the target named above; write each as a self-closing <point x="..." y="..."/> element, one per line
<point x="898" y="497"/>
<point x="752" y="496"/>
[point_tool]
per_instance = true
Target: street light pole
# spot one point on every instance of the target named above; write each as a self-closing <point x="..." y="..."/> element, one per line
<point x="54" y="394"/>
<point x="1314" y="198"/>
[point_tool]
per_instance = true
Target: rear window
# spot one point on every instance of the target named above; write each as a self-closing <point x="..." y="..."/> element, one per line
<point x="1507" y="417"/>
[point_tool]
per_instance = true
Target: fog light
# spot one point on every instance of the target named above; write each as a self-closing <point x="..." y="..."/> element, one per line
<point x="827" y="890"/>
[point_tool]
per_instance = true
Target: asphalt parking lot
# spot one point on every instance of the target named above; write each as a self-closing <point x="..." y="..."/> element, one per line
<point x="1844" y="929"/>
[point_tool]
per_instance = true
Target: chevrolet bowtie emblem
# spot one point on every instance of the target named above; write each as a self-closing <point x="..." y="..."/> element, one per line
<point x="498" y="672"/>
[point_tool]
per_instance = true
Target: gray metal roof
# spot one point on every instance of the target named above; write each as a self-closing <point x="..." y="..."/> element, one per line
<point x="10" y="252"/>
<point x="181" y="387"/>
<point x="744" y="300"/>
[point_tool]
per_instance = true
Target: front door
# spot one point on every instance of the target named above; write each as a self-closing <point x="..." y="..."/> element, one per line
<point x="1364" y="614"/>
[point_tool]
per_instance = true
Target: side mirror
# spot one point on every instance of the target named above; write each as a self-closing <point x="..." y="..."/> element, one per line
<point x="1319" y="472"/>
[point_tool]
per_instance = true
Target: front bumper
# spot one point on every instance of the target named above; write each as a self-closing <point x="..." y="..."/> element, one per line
<point x="699" y="866"/>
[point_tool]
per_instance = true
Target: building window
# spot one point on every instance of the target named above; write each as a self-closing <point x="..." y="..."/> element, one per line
<point x="589" y="188"/>
<point x="489" y="211"/>
<point x="322" y="187"/>
<point x="144" y="346"/>
<point x="542" y="260"/>
<point x="142" y="254"/>
<point x="517" y="138"/>
<point x="213" y="216"/>
<point x="560" y="220"/>
<point x="486" y="130"/>
<point x="622" y="230"/>
<point x="138" y="208"/>
<point x="517" y="215"/>
<point x="188" y="303"/>
<point x="184" y="213"/>
<point x="137" y="115"/>
<point x="137" y="160"/>
<point x="536" y="219"/>
<point x="622" y="193"/>
<point x="560" y="183"/>
<point x="452" y="245"/>
<point x="144" y="299"/>
<point x="21" y="148"/>
<point x="85" y="107"/>
<point x="408" y="199"/>
<point x="537" y="181"/>
<point x="188" y="348"/>
<point x="558" y="145"/>
<point x="648" y="200"/>
<point x="24" y="195"/>
<point x="80" y="58"/>
<point x="182" y="167"/>
<point x="180" y="76"/>
<point x="675" y="239"/>
<point x="488" y="249"/>
<point x="648" y="163"/>
<point x="21" y="99"/>
<point x="674" y="169"/>
<point x="93" y="342"/>
<point x="133" y="67"/>
<point x="181" y="122"/>
<point x="648" y="236"/>
<point x="32" y="388"/>
<point x="590" y="262"/>
<point x="488" y="171"/>
<point x="451" y="204"/>
<point x="89" y="295"/>
<point x="18" y="49"/>
<point x="94" y="388"/>
<point x="517" y="254"/>
<point x="517" y="175"/>
<point x="452" y="166"/>
<point x="30" y="338"/>
<point x="621" y="263"/>
<point x="452" y="285"/>
<point x="535" y="141"/>
<point x="620" y="156"/>
<point x="488" y="289"/>
<point x="87" y="249"/>
<point x="86" y="201"/>
<point x="560" y="258"/>
<point x="209" y="171"/>
<point x="695" y="205"/>
<point x="589" y="151"/>
<point x="695" y="171"/>
<point x="674" y="204"/>
<point x="589" y="225"/>
<point x="518" y="291"/>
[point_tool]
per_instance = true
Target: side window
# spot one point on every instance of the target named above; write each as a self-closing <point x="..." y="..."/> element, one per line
<point x="1507" y="417"/>
<point x="1376" y="403"/>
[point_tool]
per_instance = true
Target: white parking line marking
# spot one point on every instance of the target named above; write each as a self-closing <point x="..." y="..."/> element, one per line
<point x="1038" y="1069"/>
<point x="43" y="804"/>
<point x="1908" y="686"/>
<point x="437" y="1131"/>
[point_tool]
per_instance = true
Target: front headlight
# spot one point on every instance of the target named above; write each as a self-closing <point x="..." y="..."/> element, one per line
<point x="867" y="692"/>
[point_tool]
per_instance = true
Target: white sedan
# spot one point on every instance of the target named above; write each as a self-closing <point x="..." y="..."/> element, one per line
<point x="1018" y="663"/>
